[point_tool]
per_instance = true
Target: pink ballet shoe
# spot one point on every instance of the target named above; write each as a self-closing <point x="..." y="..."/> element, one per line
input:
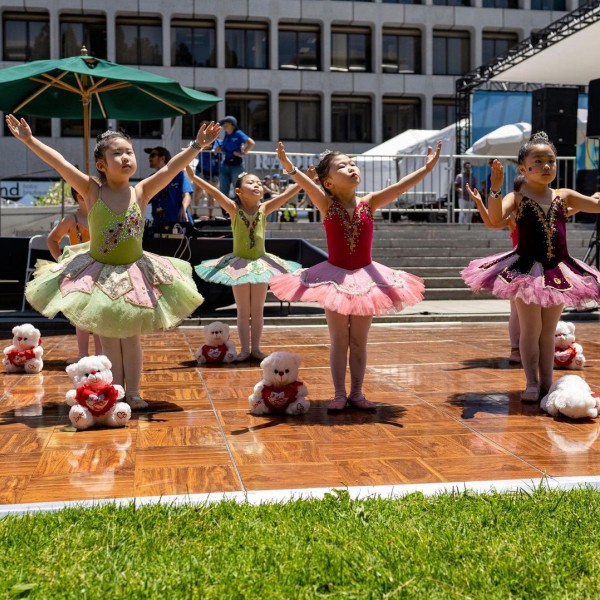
<point x="360" y="402"/>
<point x="242" y="356"/>
<point x="515" y="357"/>
<point x="135" y="401"/>
<point x="337" y="404"/>
<point x="258" y="354"/>
<point x="531" y="394"/>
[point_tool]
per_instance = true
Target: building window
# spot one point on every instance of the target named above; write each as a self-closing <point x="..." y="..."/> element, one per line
<point x="350" y="49"/>
<point x="401" y="51"/>
<point x="193" y="43"/>
<point x="74" y="127"/>
<point x="191" y="123"/>
<point x="300" y="118"/>
<point x="400" y="114"/>
<point x="452" y="2"/>
<point x="548" y="5"/>
<point x="444" y="112"/>
<point x="139" y="41"/>
<point x="252" y="113"/>
<point x="246" y="45"/>
<point x="40" y="127"/>
<point x="78" y="30"/>
<point x="351" y="119"/>
<point x="496" y="44"/>
<point x="142" y="129"/>
<point x="451" y="53"/>
<point x="26" y="37"/>
<point x="500" y="4"/>
<point x="401" y="1"/>
<point x="299" y="47"/>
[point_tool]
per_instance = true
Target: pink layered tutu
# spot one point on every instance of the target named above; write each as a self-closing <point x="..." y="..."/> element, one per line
<point x="570" y="282"/>
<point x="371" y="290"/>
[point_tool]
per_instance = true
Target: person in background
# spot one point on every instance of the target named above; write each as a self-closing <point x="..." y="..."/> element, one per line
<point x="207" y="167"/>
<point x="460" y="186"/>
<point x="171" y="204"/>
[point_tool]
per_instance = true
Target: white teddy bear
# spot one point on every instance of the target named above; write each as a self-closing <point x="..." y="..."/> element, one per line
<point x="279" y="391"/>
<point x="572" y="397"/>
<point x="95" y="401"/>
<point x="567" y="353"/>
<point x="25" y="353"/>
<point x="217" y="347"/>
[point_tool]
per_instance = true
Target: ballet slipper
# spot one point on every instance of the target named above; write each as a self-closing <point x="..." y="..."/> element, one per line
<point x="359" y="401"/>
<point x="242" y="356"/>
<point x="258" y="354"/>
<point x="135" y="401"/>
<point x="531" y="394"/>
<point x="515" y="357"/>
<point x="337" y="404"/>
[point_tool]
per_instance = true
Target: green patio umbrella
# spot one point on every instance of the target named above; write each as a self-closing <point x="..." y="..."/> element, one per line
<point x="93" y="88"/>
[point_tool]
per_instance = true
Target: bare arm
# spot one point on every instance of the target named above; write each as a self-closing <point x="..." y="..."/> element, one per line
<point x="58" y="233"/>
<point x="389" y="194"/>
<point x="149" y="187"/>
<point x="578" y="202"/>
<point x="499" y="208"/>
<point x="246" y="147"/>
<point x="71" y="174"/>
<point x="186" y="200"/>
<point x="226" y="203"/>
<point x="316" y="194"/>
<point x="278" y="201"/>
<point x="483" y="213"/>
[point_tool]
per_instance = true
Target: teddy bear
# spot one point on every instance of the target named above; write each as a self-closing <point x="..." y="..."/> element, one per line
<point x="95" y="400"/>
<point x="25" y="353"/>
<point x="279" y="391"/>
<point x="572" y="397"/>
<point x="568" y="354"/>
<point x="217" y="347"/>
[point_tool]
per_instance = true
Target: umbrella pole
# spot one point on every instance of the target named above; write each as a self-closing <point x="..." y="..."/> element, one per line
<point x="86" y="133"/>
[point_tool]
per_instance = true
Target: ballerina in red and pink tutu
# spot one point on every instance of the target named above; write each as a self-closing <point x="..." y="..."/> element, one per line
<point x="538" y="274"/>
<point x="349" y="285"/>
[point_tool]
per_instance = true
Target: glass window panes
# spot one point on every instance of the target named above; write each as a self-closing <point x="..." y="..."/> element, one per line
<point x="444" y="112"/>
<point x="79" y="30"/>
<point x="401" y="51"/>
<point x="74" y="127"/>
<point x="350" y="49"/>
<point x="246" y="46"/>
<point x="500" y="4"/>
<point x="299" y="47"/>
<point x="139" y="41"/>
<point x="401" y="1"/>
<point x="451" y="53"/>
<point x="252" y="113"/>
<point x="400" y="114"/>
<point x="40" y="127"/>
<point x="142" y="129"/>
<point x="452" y="2"/>
<point x="496" y="44"/>
<point x="351" y="119"/>
<point x="300" y="118"/>
<point x="548" y="5"/>
<point x="193" y="44"/>
<point x="26" y="37"/>
<point x="191" y="123"/>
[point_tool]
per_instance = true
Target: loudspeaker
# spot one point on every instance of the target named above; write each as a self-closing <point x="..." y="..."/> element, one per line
<point x="554" y="110"/>
<point x="593" y="122"/>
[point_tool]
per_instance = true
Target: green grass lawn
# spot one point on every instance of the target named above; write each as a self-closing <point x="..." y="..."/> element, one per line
<point x="516" y="545"/>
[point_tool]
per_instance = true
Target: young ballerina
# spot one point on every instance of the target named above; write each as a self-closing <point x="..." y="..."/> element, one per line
<point x="539" y="274"/>
<point x="75" y="227"/>
<point x="249" y="268"/>
<point x="112" y="287"/>
<point x="349" y="285"/>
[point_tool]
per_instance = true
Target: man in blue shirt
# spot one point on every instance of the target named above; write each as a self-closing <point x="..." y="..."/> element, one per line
<point x="171" y="204"/>
<point x="234" y="146"/>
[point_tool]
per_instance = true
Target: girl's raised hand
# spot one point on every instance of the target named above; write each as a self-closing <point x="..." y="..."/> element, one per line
<point x="433" y="157"/>
<point x="311" y="172"/>
<point x="474" y="193"/>
<point x="284" y="161"/>
<point x="208" y="133"/>
<point x="19" y="128"/>
<point x="497" y="175"/>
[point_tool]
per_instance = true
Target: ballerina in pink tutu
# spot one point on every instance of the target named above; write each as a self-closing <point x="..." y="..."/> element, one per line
<point x="349" y="285"/>
<point x="538" y="274"/>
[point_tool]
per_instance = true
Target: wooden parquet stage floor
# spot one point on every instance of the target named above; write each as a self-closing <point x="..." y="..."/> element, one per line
<point x="449" y="411"/>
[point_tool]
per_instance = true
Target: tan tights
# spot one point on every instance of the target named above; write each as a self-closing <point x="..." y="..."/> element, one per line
<point x="250" y="302"/>
<point x="126" y="357"/>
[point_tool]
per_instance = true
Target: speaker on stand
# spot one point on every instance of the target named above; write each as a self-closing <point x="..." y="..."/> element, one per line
<point x="554" y="110"/>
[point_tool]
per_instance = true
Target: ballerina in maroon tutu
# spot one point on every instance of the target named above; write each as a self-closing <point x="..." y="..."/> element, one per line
<point x="538" y="274"/>
<point x="349" y="285"/>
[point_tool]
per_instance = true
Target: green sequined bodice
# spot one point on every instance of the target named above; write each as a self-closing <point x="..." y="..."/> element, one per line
<point x="249" y="234"/>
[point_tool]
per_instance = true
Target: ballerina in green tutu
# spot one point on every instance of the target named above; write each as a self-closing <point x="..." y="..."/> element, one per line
<point x="249" y="267"/>
<point x="109" y="285"/>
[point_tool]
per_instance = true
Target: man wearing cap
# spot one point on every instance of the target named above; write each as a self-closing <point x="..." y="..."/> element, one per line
<point x="171" y="204"/>
<point x="234" y="146"/>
